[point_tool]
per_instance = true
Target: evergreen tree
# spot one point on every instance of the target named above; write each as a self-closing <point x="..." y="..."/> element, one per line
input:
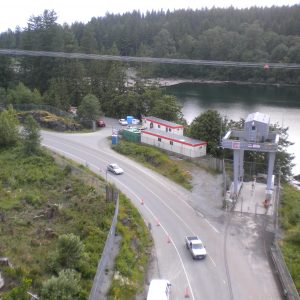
<point x="208" y="127"/>
<point x="9" y="133"/>
<point x="31" y="136"/>
<point x="70" y="250"/>
<point x="89" y="108"/>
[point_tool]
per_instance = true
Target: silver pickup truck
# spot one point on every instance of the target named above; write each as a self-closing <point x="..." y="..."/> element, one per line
<point x="196" y="247"/>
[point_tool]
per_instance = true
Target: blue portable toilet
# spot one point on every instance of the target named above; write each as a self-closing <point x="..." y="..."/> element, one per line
<point x="114" y="139"/>
<point x="129" y="119"/>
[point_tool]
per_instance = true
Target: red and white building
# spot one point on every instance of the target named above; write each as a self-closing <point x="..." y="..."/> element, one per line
<point x="169" y="136"/>
<point x="156" y="123"/>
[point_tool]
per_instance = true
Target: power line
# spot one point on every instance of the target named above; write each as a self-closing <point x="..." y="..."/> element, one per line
<point x="178" y="61"/>
<point x="145" y="59"/>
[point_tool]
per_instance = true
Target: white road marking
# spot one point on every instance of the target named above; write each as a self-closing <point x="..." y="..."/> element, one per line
<point x="213" y="227"/>
<point x="198" y="213"/>
<point x="212" y="261"/>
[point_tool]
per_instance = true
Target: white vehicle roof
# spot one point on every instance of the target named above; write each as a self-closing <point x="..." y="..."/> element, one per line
<point x="196" y="242"/>
<point x="159" y="289"/>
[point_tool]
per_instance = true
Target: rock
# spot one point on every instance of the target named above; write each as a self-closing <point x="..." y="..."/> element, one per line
<point x="4" y="261"/>
<point x="35" y="243"/>
<point x="51" y="121"/>
<point x="68" y="188"/>
<point x="52" y="211"/>
<point x="38" y="216"/>
<point x="49" y="233"/>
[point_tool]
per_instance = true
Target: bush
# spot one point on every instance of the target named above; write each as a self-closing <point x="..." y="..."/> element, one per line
<point x="70" y="250"/>
<point x="63" y="287"/>
<point x="289" y="221"/>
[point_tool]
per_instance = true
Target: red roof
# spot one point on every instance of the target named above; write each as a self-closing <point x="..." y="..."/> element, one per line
<point x="163" y="122"/>
<point x="173" y="137"/>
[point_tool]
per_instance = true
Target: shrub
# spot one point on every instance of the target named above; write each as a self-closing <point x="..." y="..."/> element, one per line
<point x="70" y="250"/>
<point x="65" y="286"/>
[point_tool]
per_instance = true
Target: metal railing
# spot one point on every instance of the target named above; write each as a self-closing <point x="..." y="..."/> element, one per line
<point x="289" y="290"/>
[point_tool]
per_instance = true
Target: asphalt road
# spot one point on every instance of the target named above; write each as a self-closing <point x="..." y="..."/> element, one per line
<point x="236" y="265"/>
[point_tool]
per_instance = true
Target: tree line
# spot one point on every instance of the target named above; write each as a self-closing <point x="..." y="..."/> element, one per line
<point x="255" y="35"/>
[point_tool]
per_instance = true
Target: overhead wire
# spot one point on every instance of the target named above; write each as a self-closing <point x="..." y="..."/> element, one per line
<point x="141" y="59"/>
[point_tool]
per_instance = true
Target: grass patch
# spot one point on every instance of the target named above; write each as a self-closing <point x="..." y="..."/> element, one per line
<point x="37" y="197"/>
<point x="157" y="160"/>
<point x="290" y="222"/>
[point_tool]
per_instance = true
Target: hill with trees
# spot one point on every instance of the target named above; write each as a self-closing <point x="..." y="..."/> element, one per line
<point x="252" y="35"/>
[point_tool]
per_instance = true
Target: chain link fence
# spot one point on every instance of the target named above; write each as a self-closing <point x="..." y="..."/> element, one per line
<point x="49" y="108"/>
<point x="103" y="262"/>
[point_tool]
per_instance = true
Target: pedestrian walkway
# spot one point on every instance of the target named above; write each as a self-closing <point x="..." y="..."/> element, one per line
<point x="252" y="197"/>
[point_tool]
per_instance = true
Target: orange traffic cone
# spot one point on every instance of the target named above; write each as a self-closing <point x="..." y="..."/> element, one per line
<point x="142" y="201"/>
<point x="186" y="293"/>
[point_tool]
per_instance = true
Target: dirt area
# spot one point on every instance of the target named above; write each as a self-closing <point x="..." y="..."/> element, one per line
<point x="207" y="193"/>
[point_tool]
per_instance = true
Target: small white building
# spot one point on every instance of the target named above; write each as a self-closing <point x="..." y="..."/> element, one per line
<point x="257" y="127"/>
<point x="174" y="143"/>
<point x="162" y="125"/>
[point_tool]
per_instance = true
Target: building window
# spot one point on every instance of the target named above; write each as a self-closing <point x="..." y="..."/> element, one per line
<point x="170" y="129"/>
<point x="159" y="139"/>
<point x="158" y="126"/>
<point x="253" y="127"/>
<point x="171" y="143"/>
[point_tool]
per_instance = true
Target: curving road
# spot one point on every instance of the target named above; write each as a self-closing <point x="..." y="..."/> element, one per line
<point x="232" y="272"/>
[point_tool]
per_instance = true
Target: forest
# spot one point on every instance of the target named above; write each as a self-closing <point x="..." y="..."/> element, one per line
<point x="249" y="35"/>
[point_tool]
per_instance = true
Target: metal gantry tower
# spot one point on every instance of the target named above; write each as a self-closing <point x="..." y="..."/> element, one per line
<point x="257" y="137"/>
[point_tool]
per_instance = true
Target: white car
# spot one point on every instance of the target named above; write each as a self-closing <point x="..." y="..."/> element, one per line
<point x="135" y="121"/>
<point x="114" y="168"/>
<point x="123" y="122"/>
<point x="196" y="247"/>
<point x="159" y="289"/>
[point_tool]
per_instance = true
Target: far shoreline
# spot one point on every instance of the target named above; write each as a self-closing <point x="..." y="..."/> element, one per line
<point x="132" y="77"/>
<point x="174" y="81"/>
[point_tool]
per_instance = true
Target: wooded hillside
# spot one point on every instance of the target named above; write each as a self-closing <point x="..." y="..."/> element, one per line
<point x="252" y="35"/>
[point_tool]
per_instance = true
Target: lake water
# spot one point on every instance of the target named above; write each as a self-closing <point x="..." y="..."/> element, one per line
<point x="281" y="103"/>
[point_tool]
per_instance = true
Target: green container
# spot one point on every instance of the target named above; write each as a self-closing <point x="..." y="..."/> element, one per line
<point x="132" y="135"/>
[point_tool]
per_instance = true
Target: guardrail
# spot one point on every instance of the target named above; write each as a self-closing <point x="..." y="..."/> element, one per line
<point x="289" y="290"/>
